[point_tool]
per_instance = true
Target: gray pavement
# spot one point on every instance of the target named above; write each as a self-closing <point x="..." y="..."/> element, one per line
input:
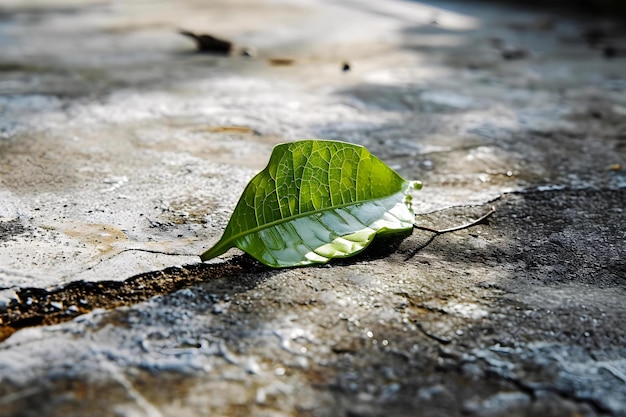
<point x="123" y="153"/>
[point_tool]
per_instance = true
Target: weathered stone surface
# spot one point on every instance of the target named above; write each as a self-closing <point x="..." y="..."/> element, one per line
<point x="122" y="152"/>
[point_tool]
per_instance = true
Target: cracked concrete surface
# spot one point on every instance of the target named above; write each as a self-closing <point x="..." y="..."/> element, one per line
<point x="122" y="154"/>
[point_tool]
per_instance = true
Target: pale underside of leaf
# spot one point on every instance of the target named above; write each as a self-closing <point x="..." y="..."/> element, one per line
<point x="327" y="234"/>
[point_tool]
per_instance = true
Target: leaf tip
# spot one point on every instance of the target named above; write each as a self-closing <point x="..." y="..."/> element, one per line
<point x="213" y="252"/>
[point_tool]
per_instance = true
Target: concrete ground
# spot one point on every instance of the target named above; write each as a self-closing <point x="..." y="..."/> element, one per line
<point x="123" y="153"/>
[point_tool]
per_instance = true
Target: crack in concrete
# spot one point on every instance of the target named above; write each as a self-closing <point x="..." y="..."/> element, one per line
<point x="36" y="306"/>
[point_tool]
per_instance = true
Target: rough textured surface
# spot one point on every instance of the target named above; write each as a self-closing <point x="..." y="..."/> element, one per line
<point x="122" y="154"/>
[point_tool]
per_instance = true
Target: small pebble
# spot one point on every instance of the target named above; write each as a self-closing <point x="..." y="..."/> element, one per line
<point x="57" y="305"/>
<point x="217" y="309"/>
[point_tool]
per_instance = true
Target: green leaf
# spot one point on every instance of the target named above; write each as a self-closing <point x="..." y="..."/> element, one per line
<point x="316" y="200"/>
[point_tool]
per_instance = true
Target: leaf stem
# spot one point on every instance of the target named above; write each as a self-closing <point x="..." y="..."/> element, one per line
<point x="451" y="229"/>
<point x="456" y="228"/>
